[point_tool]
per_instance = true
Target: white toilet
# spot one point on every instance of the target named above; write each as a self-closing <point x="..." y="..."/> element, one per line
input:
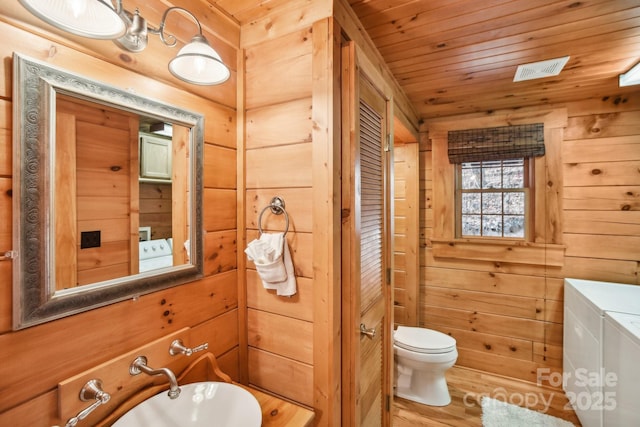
<point x="422" y="356"/>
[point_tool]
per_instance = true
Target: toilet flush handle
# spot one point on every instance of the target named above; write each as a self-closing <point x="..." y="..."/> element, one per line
<point x="370" y="332"/>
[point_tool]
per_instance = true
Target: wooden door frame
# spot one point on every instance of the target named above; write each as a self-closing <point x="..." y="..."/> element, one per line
<point x="350" y="336"/>
<point x="325" y="114"/>
<point x="350" y="87"/>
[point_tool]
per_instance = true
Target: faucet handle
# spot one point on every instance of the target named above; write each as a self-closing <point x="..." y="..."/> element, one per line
<point x="92" y="390"/>
<point x="177" y="347"/>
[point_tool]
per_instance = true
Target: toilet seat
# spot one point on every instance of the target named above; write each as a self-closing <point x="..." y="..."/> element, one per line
<point x="421" y="340"/>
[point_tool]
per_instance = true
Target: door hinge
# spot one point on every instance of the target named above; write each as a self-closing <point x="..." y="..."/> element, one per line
<point x="388" y="276"/>
<point x="388" y="405"/>
<point x="387" y="146"/>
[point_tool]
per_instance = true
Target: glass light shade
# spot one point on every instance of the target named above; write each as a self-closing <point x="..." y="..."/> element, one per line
<point x="198" y="63"/>
<point x="631" y="77"/>
<point x="96" y="19"/>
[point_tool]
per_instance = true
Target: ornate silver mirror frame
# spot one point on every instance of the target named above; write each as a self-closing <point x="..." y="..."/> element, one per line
<point x="35" y="300"/>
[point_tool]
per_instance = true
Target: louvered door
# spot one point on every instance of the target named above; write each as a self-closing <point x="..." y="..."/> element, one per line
<point x="365" y="259"/>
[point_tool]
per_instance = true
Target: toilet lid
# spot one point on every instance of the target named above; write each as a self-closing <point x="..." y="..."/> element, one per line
<point x="423" y="340"/>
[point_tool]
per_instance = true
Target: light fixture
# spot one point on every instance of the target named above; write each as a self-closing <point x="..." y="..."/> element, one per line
<point x="96" y="19"/>
<point x="197" y="62"/>
<point x="631" y="77"/>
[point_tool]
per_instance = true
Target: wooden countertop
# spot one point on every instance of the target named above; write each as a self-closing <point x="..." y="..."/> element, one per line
<point x="279" y="413"/>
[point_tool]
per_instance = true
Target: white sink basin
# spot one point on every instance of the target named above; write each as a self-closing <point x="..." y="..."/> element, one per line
<point x="204" y="404"/>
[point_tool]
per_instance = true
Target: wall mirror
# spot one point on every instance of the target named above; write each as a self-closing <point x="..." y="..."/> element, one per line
<point x="107" y="194"/>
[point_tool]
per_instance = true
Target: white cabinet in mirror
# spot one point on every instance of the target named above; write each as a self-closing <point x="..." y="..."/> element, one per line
<point x="155" y="157"/>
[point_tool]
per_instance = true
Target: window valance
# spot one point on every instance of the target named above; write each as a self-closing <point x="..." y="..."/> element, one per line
<point x="496" y="143"/>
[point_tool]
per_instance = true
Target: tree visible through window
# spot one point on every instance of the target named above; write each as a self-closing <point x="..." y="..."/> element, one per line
<point x="492" y="198"/>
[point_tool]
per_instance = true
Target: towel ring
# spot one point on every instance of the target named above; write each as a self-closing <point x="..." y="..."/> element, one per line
<point x="277" y="207"/>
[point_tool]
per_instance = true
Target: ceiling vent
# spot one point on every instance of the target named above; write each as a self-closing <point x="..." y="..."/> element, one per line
<point x="538" y="70"/>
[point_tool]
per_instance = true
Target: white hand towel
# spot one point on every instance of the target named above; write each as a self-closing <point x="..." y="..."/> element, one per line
<point x="272" y="258"/>
<point x="261" y="252"/>
<point x="287" y="287"/>
<point x="267" y="255"/>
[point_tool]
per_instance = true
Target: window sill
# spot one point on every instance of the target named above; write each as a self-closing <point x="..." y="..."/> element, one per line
<point x="512" y="251"/>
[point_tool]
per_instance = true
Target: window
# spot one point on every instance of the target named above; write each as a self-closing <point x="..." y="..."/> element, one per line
<point x="540" y="241"/>
<point x="492" y="198"/>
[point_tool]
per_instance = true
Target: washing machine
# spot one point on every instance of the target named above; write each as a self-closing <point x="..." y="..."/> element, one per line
<point x="155" y="254"/>
<point x="586" y="304"/>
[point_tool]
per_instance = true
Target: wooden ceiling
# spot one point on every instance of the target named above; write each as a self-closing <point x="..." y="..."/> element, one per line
<point x="460" y="56"/>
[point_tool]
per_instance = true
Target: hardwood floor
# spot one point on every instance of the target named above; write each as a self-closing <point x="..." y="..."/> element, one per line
<point x="467" y="387"/>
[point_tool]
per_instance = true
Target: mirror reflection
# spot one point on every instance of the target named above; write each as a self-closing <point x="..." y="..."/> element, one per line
<point x="106" y="226"/>
<point x="107" y="194"/>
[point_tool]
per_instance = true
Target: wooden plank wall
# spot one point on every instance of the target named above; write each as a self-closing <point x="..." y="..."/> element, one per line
<point x="507" y="318"/>
<point x="405" y="240"/>
<point x="400" y="236"/>
<point x="601" y="161"/>
<point x="278" y="162"/>
<point x="95" y="139"/>
<point x="155" y="208"/>
<point x="35" y="359"/>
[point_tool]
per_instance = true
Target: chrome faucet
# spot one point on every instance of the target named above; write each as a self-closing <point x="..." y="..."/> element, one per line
<point x="140" y="365"/>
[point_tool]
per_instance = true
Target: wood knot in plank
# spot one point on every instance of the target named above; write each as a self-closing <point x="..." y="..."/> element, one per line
<point x="125" y="58"/>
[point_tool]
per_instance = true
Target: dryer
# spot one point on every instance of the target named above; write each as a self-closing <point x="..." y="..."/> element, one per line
<point x="621" y="358"/>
